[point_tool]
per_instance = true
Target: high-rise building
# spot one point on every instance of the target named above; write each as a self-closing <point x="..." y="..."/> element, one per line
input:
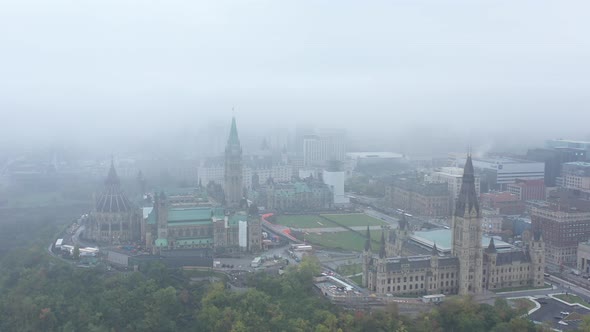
<point x="325" y="146"/>
<point x="554" y="158"/>
<point x="565" y="222"/>
<point x="233" y="168"/>
<point x="569" y="144"/>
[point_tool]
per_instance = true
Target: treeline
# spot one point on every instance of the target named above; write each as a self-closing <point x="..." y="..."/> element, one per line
<point x="44" y="295"/>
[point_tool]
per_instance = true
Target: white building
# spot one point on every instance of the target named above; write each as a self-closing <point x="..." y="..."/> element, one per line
<point x="335" y="181"/>
<point x="453" y="177"/>
<point x="328" y="145"/>
<point x="500" y="171"/>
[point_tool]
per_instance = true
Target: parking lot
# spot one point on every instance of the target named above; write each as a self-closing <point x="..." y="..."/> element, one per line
<point x="550" y="312"/>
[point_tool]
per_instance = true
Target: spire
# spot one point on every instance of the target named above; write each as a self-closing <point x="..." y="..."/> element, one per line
<point x="233" y="133"/>
<point x="491" y="246"/>
<point x="434" y="250"/>
<point x="368" y="240"/>
<point x="112" y="178"/>
<point x="467" y="200"/>
<point x="112" y="199"/>
<point x="382" y="249"/>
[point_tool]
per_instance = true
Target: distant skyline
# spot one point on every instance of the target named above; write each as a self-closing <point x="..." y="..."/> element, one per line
<point x="413" y="74"/>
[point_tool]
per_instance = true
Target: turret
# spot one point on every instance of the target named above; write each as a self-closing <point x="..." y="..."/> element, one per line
<point x="537" y="253"/>
<point x="492" y="254"/>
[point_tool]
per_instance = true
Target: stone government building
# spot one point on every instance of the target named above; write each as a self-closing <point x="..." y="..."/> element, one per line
<point x="186" y="224"/>
<point x="469" y="269"/>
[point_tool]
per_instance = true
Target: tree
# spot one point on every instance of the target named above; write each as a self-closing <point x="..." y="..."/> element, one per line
<point x="76" y="252"/>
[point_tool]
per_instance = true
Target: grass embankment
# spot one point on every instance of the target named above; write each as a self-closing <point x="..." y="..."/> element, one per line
<point x="350" y="269"/>
<point x="343" y="240"/>
<point x="570" y="298"/>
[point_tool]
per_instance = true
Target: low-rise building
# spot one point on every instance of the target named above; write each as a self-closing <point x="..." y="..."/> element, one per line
<point x="527" y="190"/>
<point x="420" y="198"/>
<point x="504" y="203"/>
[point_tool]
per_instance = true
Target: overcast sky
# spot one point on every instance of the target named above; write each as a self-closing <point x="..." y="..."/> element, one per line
<point x="95" y="68"/>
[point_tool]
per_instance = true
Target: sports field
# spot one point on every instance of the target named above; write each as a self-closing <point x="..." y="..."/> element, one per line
<point x="344" y="240"/>
<point x="304" y="221"/>
<point x="355" y="219"/>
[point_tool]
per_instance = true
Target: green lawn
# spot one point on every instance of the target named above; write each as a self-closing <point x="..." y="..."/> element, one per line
<point x="355" y="219"/>
<point x="343" y="240"/>
<point x="357" y="279"/>
<point x="572" y="299"/>
<point x="522" y="305"/>
<point x="304" y="221"/>
<point x="350" y="269"/>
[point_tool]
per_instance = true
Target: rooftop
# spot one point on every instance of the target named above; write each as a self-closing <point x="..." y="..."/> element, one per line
<point x="443" y="238"/>
<point x="189" y="214"/>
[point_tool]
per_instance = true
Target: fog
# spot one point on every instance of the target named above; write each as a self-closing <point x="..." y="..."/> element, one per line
<point x="398" y="75"/>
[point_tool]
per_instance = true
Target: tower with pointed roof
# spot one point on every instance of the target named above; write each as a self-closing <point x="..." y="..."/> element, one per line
<point x="114" y="219"/>
<point x="233" y="168"/>
<point x="367" y="254"/>
<point x="467" y="234"/>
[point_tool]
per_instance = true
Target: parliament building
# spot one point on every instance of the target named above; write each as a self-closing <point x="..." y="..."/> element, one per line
<point x="469" y="269"/>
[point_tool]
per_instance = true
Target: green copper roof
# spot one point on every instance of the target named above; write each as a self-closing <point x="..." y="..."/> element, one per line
<point x="190" y="223"/>
<point x="193" y="241"/>
<point x="218" y="213"/>
<point x="233" y="134"/>
<point x="161" y="242"/>
<point x="189" y="214"/>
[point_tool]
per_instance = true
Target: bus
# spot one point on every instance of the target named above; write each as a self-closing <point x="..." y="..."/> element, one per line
<point x="301" y="247"/>
<point x="256" y="262"/>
